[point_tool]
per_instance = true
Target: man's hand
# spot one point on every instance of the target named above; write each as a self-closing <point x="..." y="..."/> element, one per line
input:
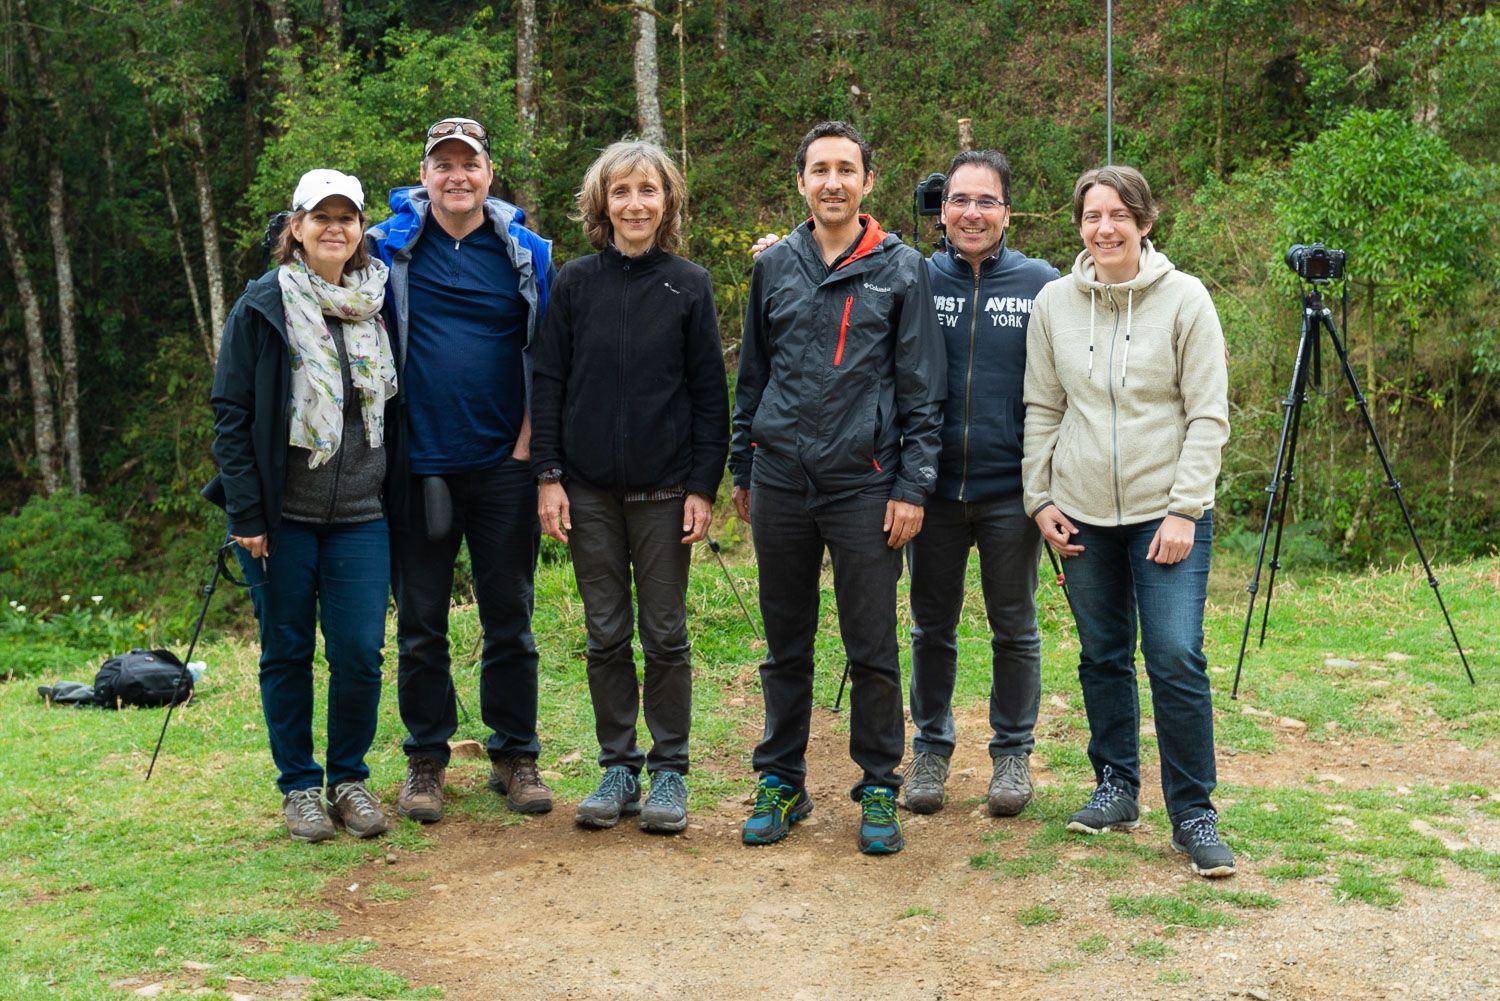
<point x="903" y="521"/>
<point x="741" y="496"/>
<point x="697" y="516"/>
<point x="1058" y="530"/>
<point x="763" y="244"/>
<point x="255" y="545"/>
<point x="553" y="512"/>
<point x="1173" y="540"/>
<point x="522" y="451"/>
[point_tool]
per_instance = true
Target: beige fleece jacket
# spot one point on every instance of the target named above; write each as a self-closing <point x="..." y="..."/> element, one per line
<point x="1126" y="396"/>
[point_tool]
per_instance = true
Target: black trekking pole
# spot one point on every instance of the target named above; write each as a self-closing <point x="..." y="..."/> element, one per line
<point x="220" y="569"/>
<point x="1062" y="578"/>
<point x="839" y="701"/>
<point x="713" y="546"/>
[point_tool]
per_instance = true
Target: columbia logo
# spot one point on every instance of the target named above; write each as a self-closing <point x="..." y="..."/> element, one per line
<point x="672" y="290"/>
<point x="875" y="288"/>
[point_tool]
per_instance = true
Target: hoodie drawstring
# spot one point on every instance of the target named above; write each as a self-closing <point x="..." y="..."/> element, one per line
<point x="1129" y="315"/>
<point x="1091" y="334"/>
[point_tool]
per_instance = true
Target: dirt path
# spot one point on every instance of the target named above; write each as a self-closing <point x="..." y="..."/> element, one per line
<point x="541" y="909"/>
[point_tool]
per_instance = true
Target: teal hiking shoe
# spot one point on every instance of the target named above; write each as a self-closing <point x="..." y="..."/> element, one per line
<point x="879" y="827"/>
<point x="777" y="807"/>
<point x="665" y="810"/>
<point x="619" y="793"/>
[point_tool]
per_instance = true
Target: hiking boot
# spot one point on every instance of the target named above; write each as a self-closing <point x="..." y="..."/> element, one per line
<point x="516" y="776"/>
<point x="777" y="807"/>
<point x="353" y="805"/>
<point x="1110" y="808"/>
<point x="1199" y="839"/>
<point x="306" y="817"/>
<point x="1010" y="785"/>
<point x="421" y="796"/>
<point x="879" y="827"/>
<point x="924" y="782"/>
<point x="619" y="792"/>
<point x="665" y="810"/>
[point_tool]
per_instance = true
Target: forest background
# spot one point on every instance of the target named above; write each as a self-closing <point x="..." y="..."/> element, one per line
<point x="144" y="144"/>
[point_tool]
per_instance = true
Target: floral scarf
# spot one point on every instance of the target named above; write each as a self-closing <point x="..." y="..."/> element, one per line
<point x="317" y="377"/>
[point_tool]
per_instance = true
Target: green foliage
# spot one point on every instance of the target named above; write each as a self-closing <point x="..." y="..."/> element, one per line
<point x="63" y="544"/>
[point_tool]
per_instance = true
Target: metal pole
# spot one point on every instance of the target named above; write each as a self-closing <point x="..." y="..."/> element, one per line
<point x="1109" y="81"/>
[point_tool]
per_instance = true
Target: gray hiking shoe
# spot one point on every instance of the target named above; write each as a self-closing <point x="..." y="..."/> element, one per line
<point x="1010" y="785"/>
<point x="924" y="782"/>
<point x="306" y="817"/>
<point x="1199" y="839"/>
<point x="619" y="793"/>
<point x="355" y="806"/>
<point x="665" y="810"/>
<point x="1110" y="808"/>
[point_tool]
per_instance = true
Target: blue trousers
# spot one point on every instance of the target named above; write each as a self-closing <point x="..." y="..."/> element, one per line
<point x="339" y="577"/>
<point x="1114" y="588"/>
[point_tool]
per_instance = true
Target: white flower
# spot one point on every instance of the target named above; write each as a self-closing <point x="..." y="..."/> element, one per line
<point x="67" y="598"/>
<point x="12" y="603"/>
<point x="96" y="598"/>
<point x="20" y="608"/>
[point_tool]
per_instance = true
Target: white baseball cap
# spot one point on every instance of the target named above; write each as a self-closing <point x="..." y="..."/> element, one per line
<point x="322" y="183"/>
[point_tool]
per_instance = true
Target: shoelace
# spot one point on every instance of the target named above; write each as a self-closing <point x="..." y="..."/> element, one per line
<point x="1103" y="796"/>
<point x="524" y="772"/>
<point x="356" y="795"/>
<point x="422" y="778"/>
<point x="768" y="799"/>
<point x="1010" y="769"/>
<point x="1202" y="830"/>
<point x="669" y="786"/>
<point x="615" y="785"/>
<point x="926" y="768"/>
<point x="308" y="803"/>
<point x="878" y="807"/>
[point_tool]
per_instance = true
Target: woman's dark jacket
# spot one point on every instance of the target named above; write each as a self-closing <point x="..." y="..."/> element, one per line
<point x="251" y="400"/>
<point x="628" y="390"/>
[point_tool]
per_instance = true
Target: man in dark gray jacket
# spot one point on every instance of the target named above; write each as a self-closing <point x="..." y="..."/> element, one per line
<point x="838" y="401"/>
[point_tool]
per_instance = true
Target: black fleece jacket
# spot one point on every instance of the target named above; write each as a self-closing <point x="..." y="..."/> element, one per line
<point x="628" y="389"/>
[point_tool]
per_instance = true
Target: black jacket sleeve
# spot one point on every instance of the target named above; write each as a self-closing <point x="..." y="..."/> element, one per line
<point x="754" y="374"/>
<point x="551" y="355"/>
<point x="233" y="401"/>
<point x="704" y="365"/>
<point x="921" y="388"/>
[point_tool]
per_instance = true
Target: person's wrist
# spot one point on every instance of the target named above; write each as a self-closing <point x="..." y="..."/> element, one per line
<point x="549" y="476"/>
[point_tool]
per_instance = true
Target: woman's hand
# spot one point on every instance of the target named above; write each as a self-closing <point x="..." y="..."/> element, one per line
<point x="1173" y="540"/>
<point x="255" y="545"/>
<point x="741" y="496"/>
<point x="552" y="511"/>
<point x="697" y="516"/>
<point x="1058" y="530"/>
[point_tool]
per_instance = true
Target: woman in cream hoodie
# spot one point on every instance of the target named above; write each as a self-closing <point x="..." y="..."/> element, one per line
<point x="1126" y="414"/>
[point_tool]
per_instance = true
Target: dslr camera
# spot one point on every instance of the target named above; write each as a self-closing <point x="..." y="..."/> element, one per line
<point x="1314" y="262"/>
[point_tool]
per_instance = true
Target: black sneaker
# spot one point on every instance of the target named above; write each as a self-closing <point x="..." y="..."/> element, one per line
<point x="619" y="793"/>
<point x="665" y="810"/>
<point x="879" y="827"/>
<point x="1199" y="839"/>
<point x="778" y="806"/>
<point x="1110" y="808"/>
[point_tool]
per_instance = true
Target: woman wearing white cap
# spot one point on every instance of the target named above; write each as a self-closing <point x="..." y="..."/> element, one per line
<point x="306" y="373"/>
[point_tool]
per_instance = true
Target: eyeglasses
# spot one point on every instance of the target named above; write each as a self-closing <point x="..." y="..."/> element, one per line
<point x="450" y="127"/>
<point x="984" y="204"/>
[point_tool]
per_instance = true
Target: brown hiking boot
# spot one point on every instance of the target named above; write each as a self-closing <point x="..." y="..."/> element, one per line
<point x="422" y="793"/>
<point x="306" y="817"/>
<point x="516" y="776"/>
<point x="355" y="806"/>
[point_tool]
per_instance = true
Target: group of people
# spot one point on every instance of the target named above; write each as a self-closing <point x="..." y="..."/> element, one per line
<point x="384" y="394"/>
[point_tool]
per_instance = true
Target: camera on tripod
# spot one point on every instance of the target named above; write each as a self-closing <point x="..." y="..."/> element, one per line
<point x="1314" y="262"/>
<point x="928" y="198"/>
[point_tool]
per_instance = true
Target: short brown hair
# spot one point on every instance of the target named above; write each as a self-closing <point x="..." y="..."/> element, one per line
<point x="622" y="158"/>
<point x="289" y="250"/>
<point x="1129" y="183"/>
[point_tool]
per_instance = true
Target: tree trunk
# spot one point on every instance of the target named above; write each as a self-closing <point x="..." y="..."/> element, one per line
<point x="333" y="21"/>
<point x="62" y="259"/>
<point x="721" y="26"/>
<point x="44" y="423"/>
<point x="199" y="323"/>
<point x="679" y="28"/>
<point x="281" y="23"/>
<point x="209" y="217"/>
<point x="527" y="192"/>
<point x="647" y="82"/>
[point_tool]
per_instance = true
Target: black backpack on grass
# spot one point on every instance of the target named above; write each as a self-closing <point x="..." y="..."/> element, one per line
<point x="145" y="678"/>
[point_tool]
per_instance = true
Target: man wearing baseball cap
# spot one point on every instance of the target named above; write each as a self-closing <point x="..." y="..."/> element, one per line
<point x="468" y="287"/>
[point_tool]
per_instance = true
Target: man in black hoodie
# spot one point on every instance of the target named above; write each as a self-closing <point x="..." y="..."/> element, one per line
<point x="837" y="406"/>
<point x="983" y="292"/>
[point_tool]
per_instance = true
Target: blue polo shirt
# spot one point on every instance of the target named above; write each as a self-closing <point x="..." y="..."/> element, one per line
<point x="463" y="378"/>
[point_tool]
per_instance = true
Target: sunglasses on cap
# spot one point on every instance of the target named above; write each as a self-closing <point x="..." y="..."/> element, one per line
<point x="460" y="127"/>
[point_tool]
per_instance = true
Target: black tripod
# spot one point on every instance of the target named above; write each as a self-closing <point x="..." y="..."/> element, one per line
<point x="1315" y="315"/>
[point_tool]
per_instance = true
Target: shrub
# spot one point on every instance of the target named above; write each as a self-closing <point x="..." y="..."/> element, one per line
<point x="59" y="545"/>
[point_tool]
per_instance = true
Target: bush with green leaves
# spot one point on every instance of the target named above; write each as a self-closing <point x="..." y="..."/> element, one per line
<point x="64" y="544"/>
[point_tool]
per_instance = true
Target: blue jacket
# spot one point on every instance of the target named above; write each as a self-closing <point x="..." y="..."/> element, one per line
<point x="983" y="318"/>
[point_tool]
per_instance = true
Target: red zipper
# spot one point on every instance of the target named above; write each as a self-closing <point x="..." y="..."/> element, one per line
<point x="838" y="355"/>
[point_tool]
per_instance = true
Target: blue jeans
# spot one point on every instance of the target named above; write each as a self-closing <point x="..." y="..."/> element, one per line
<point x="1113" y="586"/>
<point x="338" y="576"/>
<point x="494" y="510"/>
<point x="1009" y="547"/>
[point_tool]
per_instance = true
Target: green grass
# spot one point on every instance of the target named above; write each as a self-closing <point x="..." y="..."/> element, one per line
<point x="1038" y="914"/>
<point x="104" y="876"/>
